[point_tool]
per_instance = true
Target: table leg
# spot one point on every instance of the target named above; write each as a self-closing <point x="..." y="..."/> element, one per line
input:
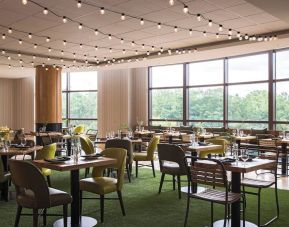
<point x="284" y="158"/>
<point x="74" y="187"/>
<point x="236" y="187"/>
<point x="68" y="143"/>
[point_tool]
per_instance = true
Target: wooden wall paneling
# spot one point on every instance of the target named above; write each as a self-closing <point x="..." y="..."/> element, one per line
<point x="7" y="109"/>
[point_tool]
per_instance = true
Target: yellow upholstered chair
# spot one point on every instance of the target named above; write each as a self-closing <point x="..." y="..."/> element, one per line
<point x="87" y="147"/>
<point x="101" y="185"/>
<point x="79" y="129"/>
<point x="149" y="155"/>
<point x="47" y="152"/>
<point x="220" y="151"/>
<point x="4" y="181"/>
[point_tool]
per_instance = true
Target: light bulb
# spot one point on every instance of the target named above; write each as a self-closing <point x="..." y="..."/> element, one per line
<point x="80" y="26"/>
<point x="24" y="2"/>
<point x="102" y="11"/>
<point x="48" y="59"/>
<point x="49" y="49"/>
<point x="35" y="46"/>
<point x="9" y="58"/>
<point x="162" y="49"/>
<point x="159" y="25"/>
<point x="10" y="30"/>
<point x="199" y="18"/>
<point x="148" y="53"/>
<point x="220" y="27"/>
<point x="20" y="61"/>
<point x="141" y="21"/>
<point x="9" y="66"/>
<point x="122" y="16"/>
<point x="109" y="37"/>
<point x="133" y="43"/>
<point x="96" y="47"/>
<point x="64" y="19"/>
<point x="79" y="4"/>
<point x="230" y="31"/>
<point x="121" y="41"/>
<point x="190" y="31"/>
<point x="20" y="41"/>
<point x="153" y="48"/>
<point x="62" y="52"/>
<point x="32" y="63"/>
<point x="95" y="31"/>
<point x="186" y="9"/>
<point x="34" y="57"/>
<point x="30" y="36"/>
<point x="204" y="33"/>
<point x="275" y="37"/>
<point x="45" y="11"/>
<point x="229" y="37"/>
<point x="176" y="29"/>
<point x="61" y="59"/>
<point x="238" y="34"/>
<point x="3" y="51"/>
<point x="80" y="45"/>
<point x="136" y="52"/>
<point x="143" y="46"/>
<point x="246" y="36"/>
<point x="3" y="36"/>
<point x="217" y="35"/>
<point x="47" y="39"/>
<point x="19" y="54"/>
<point x="210" y="23"/>
<point x="171" y="2"/>
<point x="110" y="50"/>
<point x="123" y="51"/>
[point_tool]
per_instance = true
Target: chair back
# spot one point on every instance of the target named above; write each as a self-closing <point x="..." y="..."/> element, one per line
<point x="120" y="155"/>
<point x="263" y="136"/>
<point x="92" y="134"/>
<point x="47" y="152"/>
<point x="152" y="147"/>
<point x="86" y="145"/>
<point x="79" y="129"/>
<point x="46" y="139"/>
<point x="2" y="173"/>
<point x="207" y="171"/>
<point x="219" y="141"/>
<point x="27" y="177"/>
<point x="122" y="143"/>
<point x="172" y="153"/>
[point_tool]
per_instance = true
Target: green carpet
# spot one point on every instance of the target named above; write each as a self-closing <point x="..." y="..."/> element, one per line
<point x="144" y="207"/>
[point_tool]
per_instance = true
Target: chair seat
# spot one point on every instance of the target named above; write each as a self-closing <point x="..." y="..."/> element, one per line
<point x="256" y="183"/>
<point x="216" y="196"/>
<point x="140" y="156"/>
<point x="6" y="176"/>
<point x="57" y="198"/>
<point x="98" y="185"/>
<point x="46" y="172"/>
<point x="172" y="168"/>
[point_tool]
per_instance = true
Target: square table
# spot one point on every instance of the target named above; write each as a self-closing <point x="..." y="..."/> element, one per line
<point x="74" y="167"/>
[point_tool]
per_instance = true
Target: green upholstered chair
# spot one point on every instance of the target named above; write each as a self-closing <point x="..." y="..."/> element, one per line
<point x="101" y="185"/>
<point x="4" y="181"/>
<point x="87" y="147"/>
<point x="79" y="129"/>
<point x="220" y="151"/>
<point x="47" y="152"/>
<point x="147" y="156"/>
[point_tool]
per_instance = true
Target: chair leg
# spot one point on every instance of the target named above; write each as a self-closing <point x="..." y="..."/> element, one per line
<point x="101" y="207"/>
<point x="187" y="210"/>
<point x="174" y="183"/>
<point x="225" y="217"/>
<point x="212" y="214"/>
<point x="48" y="181"/>
<point x="153" y="167"/>
<point x="35" y="218"/>
<point x="18" y="214"/>
<point x="128" y="172"/>
<point x="80" y="202"/>
<point x="121" y="202"/>
<point x="6" y="191"/>
<point x="136" y="168"/>
<point x="179" y="186"/>
<point x="86" y="172"/>
<point x="259" y="206"/>
<point x="161" y="182"/>
<point x="65" y="215"/>
<point x="44" y="216"/>
<point x="277" y="200"/>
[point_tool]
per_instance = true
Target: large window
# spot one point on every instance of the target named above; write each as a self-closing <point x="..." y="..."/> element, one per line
<point x="239" y="92"/>
<point x="166" y="95"/>
<point x="79" y="99"/>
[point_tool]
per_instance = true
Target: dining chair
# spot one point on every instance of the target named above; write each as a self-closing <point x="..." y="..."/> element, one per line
<point x="209" y="172"/>
<point x="127" y="145"/>
<point x="101" y="185"/>
<point x="218" y="151"/>
<point x="46" y="139"/>
<point x="171" y="158"/>
<point x="92" y="134"/>
<point x="271" y="151"/>
<point x="33" y="193"/>
<point x="4" y="181"/>
<point x="47" y="152"/>
<point x="87" y="147"/>
<point x="79" y="129"/>
<point x="147" y="156"/>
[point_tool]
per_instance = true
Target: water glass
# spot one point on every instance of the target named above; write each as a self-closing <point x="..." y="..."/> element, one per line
<point x="244" y="156"/>
<point x="23" y="142"/>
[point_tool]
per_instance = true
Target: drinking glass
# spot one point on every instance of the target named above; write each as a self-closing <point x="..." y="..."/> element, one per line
<point x="241" y="133"/>
<point x="112" y="134"/>
<point x="244" y="156"/>
<point x="287" y="135"/>
<point x="234" y="132"/>
<point x="23" y="142"/>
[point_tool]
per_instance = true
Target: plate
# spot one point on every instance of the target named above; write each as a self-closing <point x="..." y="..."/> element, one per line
<point x="92" y="156"/>
<point x="58" y="160"/>
<point x="21" y="147"/>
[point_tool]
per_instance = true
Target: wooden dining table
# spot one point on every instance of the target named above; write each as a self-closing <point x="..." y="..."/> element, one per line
<point x="74" y="167"/>
<point x="196" y="149"/>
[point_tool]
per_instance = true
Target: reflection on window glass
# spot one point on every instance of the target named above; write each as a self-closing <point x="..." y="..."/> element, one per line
<point x="64" y="81"/>
<point x="282" y="64"/>
<point x="206" y="103"/>
<point x="83" y="80"/>
<point x="167" y="104"/>
<point x="64" y="105"/>
<point x="167" y="76"/>
<point x="83" y="105"/>
<point x="89" y="124"/>
<point x="167" y="123"/>
<point x="208" y="72"/>
<point x="282" y="127"/>
<point x="250" y="68"/>
<point x="248" y="102"/>
<point x="282" y="101"/>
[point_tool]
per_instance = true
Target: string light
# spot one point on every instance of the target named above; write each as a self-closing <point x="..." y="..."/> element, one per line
<point x="96" y="47"/>
<point x="199" y="18"/>
<point x="109" y="37"/>
<point x="171" y="2"/>
<point x="159" y="25"/>
<point x="204" y="33"/>
<point x="141" y="21"/>
<point x="78" y="4"/>
<point x="95" y="31"/>
<point x="24" y="2"/>
<point x="9" y="58"/>
<point x="217" y="35"/>
<point x="143" y="46"/>
<point x="110" y="50"/>
<point x="123" y="51"/>
<point x="102" y="11"/>
<point x="185" y="9"/>
<point x="3" y="51"/>
<point x="35" y="46"/>
<point x="220" y="27"/>
<point x="47" y="39"/>
<point x="246" y="36"/>
<point x="122" y="16"/>
<point x="133" y="43"/>
<point x="191" y="32"/>
<point x="121" y="41"/>
<point x="45" y="11"/>
<point x="30" y="36"/>
<point x="64" y="19"/>
<point x="49" y="49"/>
<point x="19" y="55"/>
<point x="80" y="46"/>
<point x="3" y="36"/>
<point x="20" y="41"/>
<point x="64" y="42"/>
<point x="229" y="37"/>
<point x="230" y="31"/>
<point x="62" y="53"/>
<point x="34" y="57"/>
<point x="153" y="48"/>
<point x="10" y="30"/>
<point x="210" y="23"/>
<point x="238" y="34"/>
<point x="176" y="29"/>
<point x="80" y="26"/>
<point x="9" y="66"/>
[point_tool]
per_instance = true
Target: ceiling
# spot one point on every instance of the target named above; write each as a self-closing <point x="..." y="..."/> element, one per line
<point x="251" y="17"/>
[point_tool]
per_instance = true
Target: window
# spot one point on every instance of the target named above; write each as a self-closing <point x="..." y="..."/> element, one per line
<point x="79" y="99"/>
<point x="166" y="95"/>
<point x="282" y="64"/>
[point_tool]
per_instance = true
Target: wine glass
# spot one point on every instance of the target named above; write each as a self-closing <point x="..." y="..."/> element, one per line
<point x="23" y="141"/>
<point x="241" y="133"/>
<point x="244" y="156"/>
<point x="234" y="132"/>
